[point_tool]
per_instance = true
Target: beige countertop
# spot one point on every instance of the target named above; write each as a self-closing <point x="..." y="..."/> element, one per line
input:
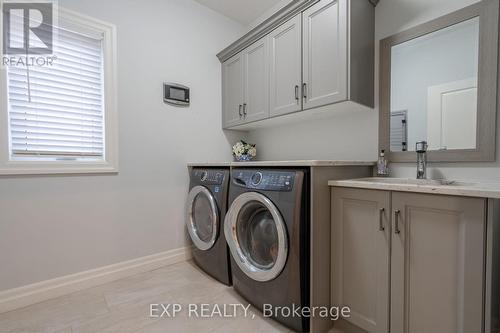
<point x="209" y="164"/>
<point x="457" y="188"/>
<point x="298" y="163"/>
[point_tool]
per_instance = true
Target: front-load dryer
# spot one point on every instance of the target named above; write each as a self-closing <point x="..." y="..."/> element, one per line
<point x="205" y="211"/>
<point x="267" y="230"/>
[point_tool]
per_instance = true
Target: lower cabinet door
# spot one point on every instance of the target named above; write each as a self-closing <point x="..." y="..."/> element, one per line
<point x="361" y="233"/>
<point x="437" y="264"/>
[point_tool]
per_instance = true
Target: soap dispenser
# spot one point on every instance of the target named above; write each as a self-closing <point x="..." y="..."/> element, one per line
<point x="382" y="165"/>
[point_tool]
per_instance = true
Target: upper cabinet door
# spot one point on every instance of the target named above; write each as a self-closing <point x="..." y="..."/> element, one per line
<point x="256" y="102"/>
<point x="286" y="68"/>
<point x="437" y="263"/>
<point x="232" y="92"/>
<point x="325" y="53"/>
<point x="361" y="234"/>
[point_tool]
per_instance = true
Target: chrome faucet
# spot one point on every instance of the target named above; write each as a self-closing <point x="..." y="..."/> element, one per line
<point x="421" y="149"/>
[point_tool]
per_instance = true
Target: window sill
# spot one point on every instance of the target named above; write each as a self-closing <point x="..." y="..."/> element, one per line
<point x="56" y="168"/>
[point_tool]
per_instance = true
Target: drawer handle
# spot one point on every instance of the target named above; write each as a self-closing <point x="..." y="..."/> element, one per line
<point x="381" y="220"/>
<point x="397" y="213"/>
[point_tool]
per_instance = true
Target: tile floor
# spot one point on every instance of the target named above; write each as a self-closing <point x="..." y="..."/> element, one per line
<point x="124" y="306"/>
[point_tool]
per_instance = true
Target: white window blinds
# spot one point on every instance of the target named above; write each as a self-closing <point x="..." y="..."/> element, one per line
<point x="58" y="110"/>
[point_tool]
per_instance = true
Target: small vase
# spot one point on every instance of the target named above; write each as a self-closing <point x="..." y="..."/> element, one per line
<point x="243" y="158"/>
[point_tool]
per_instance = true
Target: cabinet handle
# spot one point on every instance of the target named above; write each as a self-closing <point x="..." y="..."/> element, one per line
<point x="381" y="219"/>
<point x="245" y="109"/>
<point x="397" y="213"/>
<point x="297" y="93"/>
<point x="239" y="110"/>
<point x="304" y="90"/>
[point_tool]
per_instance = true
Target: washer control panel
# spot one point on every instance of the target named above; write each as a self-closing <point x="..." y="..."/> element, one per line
<point x="209" y="177"/>
<point x="264" y="180"/>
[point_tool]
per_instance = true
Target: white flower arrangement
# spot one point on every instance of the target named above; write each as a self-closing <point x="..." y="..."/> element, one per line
<point x="243" y="151"/>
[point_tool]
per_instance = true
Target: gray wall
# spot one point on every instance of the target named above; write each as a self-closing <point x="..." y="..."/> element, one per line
<point x="346" y="135"/>
<point x="354" y="135"/>
<point x="54" y="226"/>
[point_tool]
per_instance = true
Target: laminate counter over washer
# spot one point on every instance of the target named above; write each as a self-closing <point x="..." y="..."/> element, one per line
<point x="291" y="163"/>
<point x="320" y="171"/>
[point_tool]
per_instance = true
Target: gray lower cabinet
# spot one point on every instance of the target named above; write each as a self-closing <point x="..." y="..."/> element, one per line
<point x="437" y="263"/>
<point x="432" y="245"/>
<point x="361" y="235"/>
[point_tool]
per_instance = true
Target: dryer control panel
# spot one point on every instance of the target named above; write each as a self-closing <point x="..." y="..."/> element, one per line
<point x="267" y="180"/>
<point x="209" y="177"/>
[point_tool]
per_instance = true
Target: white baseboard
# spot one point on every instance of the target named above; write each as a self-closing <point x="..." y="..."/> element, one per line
<point x="16" y="298"/>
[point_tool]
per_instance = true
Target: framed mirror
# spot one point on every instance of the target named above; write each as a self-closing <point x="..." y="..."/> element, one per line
<point x="438" y="83"/>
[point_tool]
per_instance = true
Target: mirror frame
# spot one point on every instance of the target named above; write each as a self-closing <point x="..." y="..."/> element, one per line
<point x="488" y="12"/>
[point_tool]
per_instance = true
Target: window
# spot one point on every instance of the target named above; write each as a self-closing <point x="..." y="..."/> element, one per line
<point x="61" y="118"/>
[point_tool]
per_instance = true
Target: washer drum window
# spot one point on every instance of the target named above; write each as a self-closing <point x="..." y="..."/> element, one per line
<point x="257" y="237"/>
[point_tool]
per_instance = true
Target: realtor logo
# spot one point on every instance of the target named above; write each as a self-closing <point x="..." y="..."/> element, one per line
<point x="28" y="28"/>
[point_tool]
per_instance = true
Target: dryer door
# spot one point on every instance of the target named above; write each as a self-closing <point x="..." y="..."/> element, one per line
<point x="257" y="237"/>
<point x="202" y="217"/>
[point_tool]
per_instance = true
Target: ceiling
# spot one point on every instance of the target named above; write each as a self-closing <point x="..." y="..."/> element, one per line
<point x="242" y="11"/>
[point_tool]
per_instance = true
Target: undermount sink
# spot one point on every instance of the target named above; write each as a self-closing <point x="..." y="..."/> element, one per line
<point x="409" y="181"/>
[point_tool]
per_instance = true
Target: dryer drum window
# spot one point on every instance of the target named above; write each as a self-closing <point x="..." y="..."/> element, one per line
<point x="202" y="217"/>
<point x="257" y="236"/>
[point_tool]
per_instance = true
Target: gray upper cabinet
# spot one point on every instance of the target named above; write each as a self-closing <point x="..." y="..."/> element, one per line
<point x="245" y="81"/>
<point x="318" y="53"/>
<point x="324" y="53"/>
<point x="285" y="44"/>
<point x="256" y="76"/>
<point x="233" y="90"/>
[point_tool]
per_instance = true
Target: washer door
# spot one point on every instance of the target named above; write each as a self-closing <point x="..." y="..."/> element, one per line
<point x="202" y="217"/>
<point x="257" y="237"/>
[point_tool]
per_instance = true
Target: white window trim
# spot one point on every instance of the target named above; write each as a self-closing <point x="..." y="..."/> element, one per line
<point x="110" y="163"/>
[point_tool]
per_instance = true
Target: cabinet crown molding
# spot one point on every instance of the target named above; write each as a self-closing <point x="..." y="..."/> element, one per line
<point x="278" y="18"/>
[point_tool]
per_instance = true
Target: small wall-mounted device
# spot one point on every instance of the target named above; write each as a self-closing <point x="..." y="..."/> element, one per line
<point x="175" y="94"/>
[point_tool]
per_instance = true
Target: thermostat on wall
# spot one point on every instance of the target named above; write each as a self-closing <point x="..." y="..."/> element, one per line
<point x="175" y="94"/>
